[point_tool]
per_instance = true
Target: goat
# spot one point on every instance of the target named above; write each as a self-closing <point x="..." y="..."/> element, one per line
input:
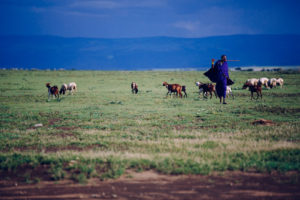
<point x="254" y="88"/>
<point x="63" y="89"/>
<point x="252" y="81"/>
<point x="52" y="91"/>
<point x="264" y="81"/>
<point x="279" y="82"/>
<point x="184" y="90"/>
<point x="207" y="88"/>
<point x="173" y="88"/>
<point x="272" y="82"/>
<point x="72" y="87"/>
<point x="134" y="88"/>
<point x="229" y="92"/>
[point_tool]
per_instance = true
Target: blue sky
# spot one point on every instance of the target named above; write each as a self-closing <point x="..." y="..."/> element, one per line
<point x="144" y="18"/>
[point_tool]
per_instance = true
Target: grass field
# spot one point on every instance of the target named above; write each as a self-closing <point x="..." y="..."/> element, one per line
<point x="104" y="129"/>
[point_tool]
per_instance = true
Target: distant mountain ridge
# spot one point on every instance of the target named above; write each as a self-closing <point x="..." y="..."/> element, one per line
<point x="49" y="52"/>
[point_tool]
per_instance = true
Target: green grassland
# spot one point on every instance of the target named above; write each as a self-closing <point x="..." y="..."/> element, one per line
<point x="103" y="129"/>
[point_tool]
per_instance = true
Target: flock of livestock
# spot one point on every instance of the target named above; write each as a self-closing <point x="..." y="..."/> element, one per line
<point x="254" y="85"/>
<point x="53" y="91"/>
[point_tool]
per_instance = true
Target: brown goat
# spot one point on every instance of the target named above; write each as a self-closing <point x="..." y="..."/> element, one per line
<point x="173" y="88"/>
<point x="134" y="88"/>
<point x="207" y="88"/>
<point x="183" y="89"/>
<point x="52" y="91"/>
<point x="254" y="88"/>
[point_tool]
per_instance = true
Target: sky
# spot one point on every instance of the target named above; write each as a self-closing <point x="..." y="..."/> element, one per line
<point x="148" y="18"/>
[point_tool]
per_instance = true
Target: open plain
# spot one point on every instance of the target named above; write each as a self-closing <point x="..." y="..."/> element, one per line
<point x="105" y="142"/>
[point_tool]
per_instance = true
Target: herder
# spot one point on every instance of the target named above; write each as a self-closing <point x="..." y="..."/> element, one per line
<point x="221" y="77"/>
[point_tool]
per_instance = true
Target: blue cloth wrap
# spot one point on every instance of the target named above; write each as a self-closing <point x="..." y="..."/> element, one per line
<point x="222" y="73"/>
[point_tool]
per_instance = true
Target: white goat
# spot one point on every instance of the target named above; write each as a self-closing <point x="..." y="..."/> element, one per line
<point x="279" y="82"/>
<point x="198" y="84"/>
<point x="72" y="87"/>
<point x="264" y="81"/>
<point x="229" y="92"/>
<point x="272" y="82"/>
<point x="252" y="81"/>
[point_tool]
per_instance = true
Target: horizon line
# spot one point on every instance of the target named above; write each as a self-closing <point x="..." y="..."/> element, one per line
<point x="142" y="37"/>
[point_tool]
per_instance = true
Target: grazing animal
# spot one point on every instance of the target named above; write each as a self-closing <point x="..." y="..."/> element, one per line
<point x="72" y="87"/>
<point x="134" y="88"/>
<point x="173" y="88"/>
<point x="184" y="90"/>
<point x="279" y="82"/>
<point x="272" y="82"/>
<point x="252" y="81"/>
<point x="264" y="82"/>
<point x="229" y="92"/>
<point x="63" y="89"/>
<point x="254" y="88"/>
<point x="52" y="91"/>
<point x="207" y="88"/>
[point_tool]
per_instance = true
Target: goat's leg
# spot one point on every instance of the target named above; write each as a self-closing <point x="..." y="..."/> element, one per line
<point x="260" y="95"/>
<point x="180" y="94"/>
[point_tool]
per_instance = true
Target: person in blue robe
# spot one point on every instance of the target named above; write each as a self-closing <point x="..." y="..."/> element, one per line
<point x="221" y="76"/>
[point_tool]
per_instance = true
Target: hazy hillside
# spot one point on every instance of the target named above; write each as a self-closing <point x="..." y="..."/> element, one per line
<point x="45" y="52"/>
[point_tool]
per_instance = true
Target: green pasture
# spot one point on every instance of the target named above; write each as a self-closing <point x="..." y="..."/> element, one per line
<point x="103" y="129"/>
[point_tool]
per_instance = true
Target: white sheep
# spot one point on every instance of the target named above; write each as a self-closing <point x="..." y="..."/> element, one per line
<point x="272" y="82"/>
<point x="279" y="82"/>
<point x="264" y="81"/>
<point x="72" y="87"/>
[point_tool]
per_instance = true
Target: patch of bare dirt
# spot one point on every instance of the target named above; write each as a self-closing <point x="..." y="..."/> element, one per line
<point x="53" y="121"/>
<point x="151" y="185"/>
<point x="263" y="122"/>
